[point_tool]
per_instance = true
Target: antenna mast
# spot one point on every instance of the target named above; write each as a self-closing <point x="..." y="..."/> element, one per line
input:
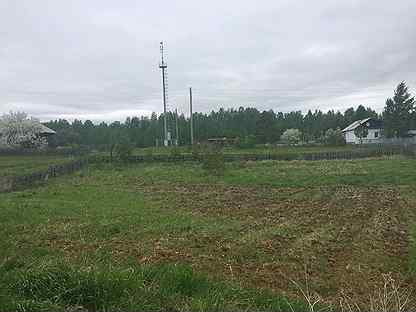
<point x="163" y="66"/>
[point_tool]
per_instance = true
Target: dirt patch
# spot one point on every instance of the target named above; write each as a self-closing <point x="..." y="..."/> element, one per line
<point x="346" y="237"/>
<point x="341" y="237"/>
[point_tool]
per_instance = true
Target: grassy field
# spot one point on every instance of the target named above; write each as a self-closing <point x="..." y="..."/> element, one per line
<point x="255" y="150"/>
<point x="175" y="237"/>
<point x="23" y="164"/>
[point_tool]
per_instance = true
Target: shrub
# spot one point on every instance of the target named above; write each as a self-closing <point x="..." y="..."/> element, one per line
<point x="361" y="132"/>
<point x="334" y="137"/>
<point x="248" y="141"/>
<point x="123" y="149"/>
<point x="291" y="136"/>
<point x="213" y="161"/>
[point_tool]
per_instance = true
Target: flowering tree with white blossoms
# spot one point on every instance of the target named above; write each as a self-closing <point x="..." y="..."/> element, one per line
<point x="18" y="130"/>
<point x="291" y="136"/>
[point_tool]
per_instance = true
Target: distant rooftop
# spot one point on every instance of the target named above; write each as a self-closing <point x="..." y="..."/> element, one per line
<point x="46" y="130"/>
<point x="374" y="124"/>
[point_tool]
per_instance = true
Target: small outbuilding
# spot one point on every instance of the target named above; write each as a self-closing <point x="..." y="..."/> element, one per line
<point x="224" y="141"/>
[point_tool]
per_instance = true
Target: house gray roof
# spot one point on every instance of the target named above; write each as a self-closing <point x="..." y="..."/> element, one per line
<point x="46" y="130"/>
<point x="355" y="124"/>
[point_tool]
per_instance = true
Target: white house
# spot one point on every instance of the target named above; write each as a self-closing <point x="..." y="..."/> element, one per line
<point x="375" y="131"/>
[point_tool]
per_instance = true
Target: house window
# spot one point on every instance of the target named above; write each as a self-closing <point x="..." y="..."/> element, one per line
<point x="376" y="134"/>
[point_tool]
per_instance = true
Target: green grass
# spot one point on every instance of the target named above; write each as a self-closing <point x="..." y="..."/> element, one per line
<point x="24" y="164"/>
<point x="284" y="150"/>
<point x="254" y="150"/>
<point x="174" y="237"/>
<point x="395" y="170"/>
<point x="412" y="250"/>
<point x="55" y="286"/>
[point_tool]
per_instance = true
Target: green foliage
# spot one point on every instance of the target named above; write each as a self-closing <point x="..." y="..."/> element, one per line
<point x="213" y="162"/>
<point x="361" y="132"/>
<point x="291" y="136"/>
<point x="248" y="141"/>
<point x="58" y="286"/>
<point x="123" y="149"/>
<point x="334" y="137"/>
<point x="175" y="151"/>
<point x="266" y="126"/>
<point x="398" y="112"/>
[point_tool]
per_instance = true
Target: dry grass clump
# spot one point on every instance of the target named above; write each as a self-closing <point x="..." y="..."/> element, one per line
<point x="391" y="296"/>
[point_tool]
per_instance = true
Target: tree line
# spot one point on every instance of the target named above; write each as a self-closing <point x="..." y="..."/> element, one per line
<point x="261" y="126"/>
<point x="264" y="126"/>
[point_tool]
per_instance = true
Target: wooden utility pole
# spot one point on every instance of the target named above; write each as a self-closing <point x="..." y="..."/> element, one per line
<point x="177" y="128"/>
<point x="192" y="117"/>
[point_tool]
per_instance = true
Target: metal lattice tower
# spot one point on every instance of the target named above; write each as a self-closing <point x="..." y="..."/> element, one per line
<point x="164" y="68"/>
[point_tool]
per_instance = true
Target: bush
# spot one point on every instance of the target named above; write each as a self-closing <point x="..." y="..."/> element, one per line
<point x="213" y="161"/>
<point x="361" y="132"/>
<point x="248" y="141"/>
<point x="123" y="149"/>
<point x="291" y="136"/>
<point x="334" y="137"/>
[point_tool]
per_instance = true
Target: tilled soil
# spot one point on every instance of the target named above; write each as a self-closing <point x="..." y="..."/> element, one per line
<point x="338" y="238"/>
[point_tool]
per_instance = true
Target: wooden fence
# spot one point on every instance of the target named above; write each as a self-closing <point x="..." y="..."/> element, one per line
<point x="20" y="182"/>
<point x="8" y="184"/>
<point x="351" y="154"/>
<point x="44" y="152"/>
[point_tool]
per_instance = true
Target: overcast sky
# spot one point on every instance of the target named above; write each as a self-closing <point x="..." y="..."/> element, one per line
<point x="98" y="59"/>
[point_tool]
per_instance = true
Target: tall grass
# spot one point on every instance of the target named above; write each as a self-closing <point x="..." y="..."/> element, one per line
<point x="58" y="286"/>
<point x="412" y="251"/>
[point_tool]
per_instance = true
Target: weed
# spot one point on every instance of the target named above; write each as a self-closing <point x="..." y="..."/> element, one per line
<point x="213" y="162"/>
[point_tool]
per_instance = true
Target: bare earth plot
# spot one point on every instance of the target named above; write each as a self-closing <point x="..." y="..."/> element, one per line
<point x="259" y="225"/>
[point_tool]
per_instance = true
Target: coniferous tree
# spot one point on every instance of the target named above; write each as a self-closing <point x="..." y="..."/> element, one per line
<point x="244" y="124"/>
<point x="398" y="112"/>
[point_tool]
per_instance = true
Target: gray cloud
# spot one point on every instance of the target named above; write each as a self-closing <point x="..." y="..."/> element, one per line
<point x="98" y="59"/>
